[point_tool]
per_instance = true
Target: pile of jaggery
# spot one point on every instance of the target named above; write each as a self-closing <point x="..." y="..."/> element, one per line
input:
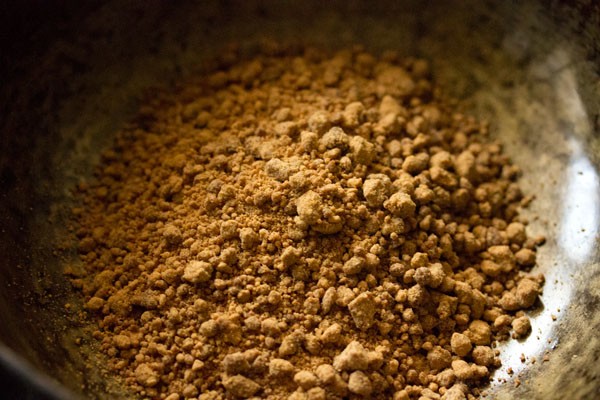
<point x="305" y="225"/>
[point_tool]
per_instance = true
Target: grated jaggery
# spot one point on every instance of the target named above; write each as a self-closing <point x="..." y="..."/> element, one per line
<point x="305" y="225"/>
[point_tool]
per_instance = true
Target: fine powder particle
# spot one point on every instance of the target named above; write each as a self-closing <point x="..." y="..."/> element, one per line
<point x="305" y="226"/>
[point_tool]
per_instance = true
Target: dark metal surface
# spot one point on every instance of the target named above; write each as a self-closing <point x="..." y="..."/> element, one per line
<point x="19" y="380"/>
<point x="72" y="74"/>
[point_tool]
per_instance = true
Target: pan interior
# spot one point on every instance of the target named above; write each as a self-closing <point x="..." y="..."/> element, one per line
<point x="536" y="84"/>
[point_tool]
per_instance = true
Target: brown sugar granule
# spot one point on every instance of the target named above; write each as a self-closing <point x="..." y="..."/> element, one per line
<point x="307" y="226"/>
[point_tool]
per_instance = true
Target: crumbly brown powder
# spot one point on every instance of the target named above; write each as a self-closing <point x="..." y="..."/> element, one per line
<point x="305" y="226"/>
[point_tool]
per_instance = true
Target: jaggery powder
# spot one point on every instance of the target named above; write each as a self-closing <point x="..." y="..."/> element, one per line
<point x="305" y="226"/>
